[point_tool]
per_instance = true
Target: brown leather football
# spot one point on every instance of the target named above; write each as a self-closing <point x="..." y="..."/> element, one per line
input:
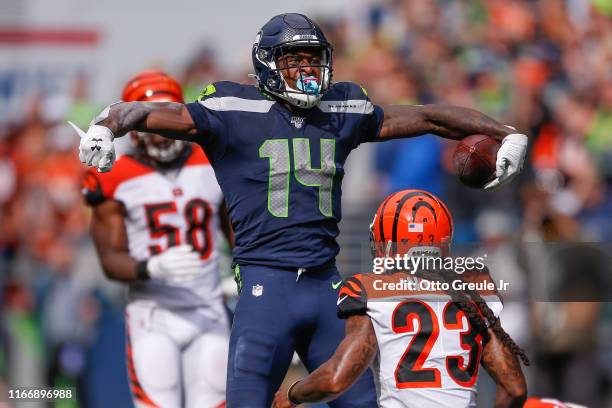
<point x="474" y="160"/>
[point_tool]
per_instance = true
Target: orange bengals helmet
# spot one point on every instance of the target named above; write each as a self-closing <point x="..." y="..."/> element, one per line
<point x="534" y="402"/>
<point x="152" y="85"/>
<point x="155" y="86"/>
<point x="411" y="221"/>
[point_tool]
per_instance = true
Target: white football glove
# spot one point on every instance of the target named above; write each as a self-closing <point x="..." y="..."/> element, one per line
<point x="510" y="159"/>
<point x="177" y="264"/>
<point x="96" y="148"/>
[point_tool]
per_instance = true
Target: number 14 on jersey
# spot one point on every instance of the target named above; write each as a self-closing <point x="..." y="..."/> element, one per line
<point x="279" y="179"/>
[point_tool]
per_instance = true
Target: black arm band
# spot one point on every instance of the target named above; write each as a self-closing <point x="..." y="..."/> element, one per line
<point x="141" y="271"/>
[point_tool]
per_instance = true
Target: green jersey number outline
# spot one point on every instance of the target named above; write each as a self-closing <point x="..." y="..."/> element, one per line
<point x="277" y="151"/>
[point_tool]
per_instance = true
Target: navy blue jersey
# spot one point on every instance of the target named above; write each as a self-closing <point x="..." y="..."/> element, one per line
<point x="281" y="172"/>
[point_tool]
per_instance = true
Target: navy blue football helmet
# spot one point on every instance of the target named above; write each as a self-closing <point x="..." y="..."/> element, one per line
<point x="283" y="34"/>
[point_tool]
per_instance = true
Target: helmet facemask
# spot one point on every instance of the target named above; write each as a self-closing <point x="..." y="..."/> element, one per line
<point x="305" y="91"/>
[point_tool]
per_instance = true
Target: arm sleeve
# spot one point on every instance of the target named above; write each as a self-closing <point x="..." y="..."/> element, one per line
<point x="371" y="119"/>
<point x="371" y="125"/>
<point x="209" y="125"/>
<point x="352" y="298"/>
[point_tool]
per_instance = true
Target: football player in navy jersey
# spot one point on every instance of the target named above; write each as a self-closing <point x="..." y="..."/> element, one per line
<point x="278" y="149"/>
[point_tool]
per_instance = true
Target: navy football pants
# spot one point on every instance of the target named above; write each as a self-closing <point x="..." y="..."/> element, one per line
<point x="276" y="315"/>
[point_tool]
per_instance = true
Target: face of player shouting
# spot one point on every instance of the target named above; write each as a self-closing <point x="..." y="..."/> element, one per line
<point x="301" y="69"/>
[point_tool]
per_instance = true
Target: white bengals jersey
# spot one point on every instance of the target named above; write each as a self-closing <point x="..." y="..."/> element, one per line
<point x="163" y="210"/>
<point x="429" y="353"/>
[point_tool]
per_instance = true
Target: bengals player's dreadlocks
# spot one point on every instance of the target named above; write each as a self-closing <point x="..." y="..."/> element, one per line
<point x="412" y="217"/>
<point x="475" y="308"/>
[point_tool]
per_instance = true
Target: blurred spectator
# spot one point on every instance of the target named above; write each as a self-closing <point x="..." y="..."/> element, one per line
<point x="200" y="71"/>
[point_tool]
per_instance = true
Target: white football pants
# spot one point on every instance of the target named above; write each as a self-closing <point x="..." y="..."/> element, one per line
<point x="177" y="357"/>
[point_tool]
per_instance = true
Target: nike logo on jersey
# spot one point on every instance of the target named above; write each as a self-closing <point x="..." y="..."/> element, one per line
<point x="341" y="300"/>
<point x="336" y="285"/>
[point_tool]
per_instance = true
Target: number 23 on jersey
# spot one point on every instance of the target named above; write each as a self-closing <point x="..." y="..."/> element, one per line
<point x="409" y="372"/>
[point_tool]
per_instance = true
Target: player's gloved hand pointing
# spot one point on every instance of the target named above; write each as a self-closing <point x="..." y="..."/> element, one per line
<point x="510" y="159"/>
<point x="96" y="148"/>
<point x="176" y="264"/>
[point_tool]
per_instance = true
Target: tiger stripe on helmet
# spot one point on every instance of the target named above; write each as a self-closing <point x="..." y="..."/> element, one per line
<point x="400" y="220"/>
<point x="398" y="210"/>
<point x="380" y="219"/>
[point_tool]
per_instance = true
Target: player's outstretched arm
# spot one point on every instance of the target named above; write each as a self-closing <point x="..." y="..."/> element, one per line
<point x="454" y="122"/>
<point x="169" y="119"/>
<point x="505" y="369"/>
<point x="450" y="122"/>
<point x="109" y="236"/>
<point x="352" y="357"/>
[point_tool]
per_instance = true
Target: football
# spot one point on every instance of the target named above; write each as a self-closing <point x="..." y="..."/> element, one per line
<point x="474" y="160"/>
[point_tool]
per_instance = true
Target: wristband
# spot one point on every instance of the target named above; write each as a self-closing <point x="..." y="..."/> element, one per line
<point x="142" y="273"/>
<point x="289" y="397"/>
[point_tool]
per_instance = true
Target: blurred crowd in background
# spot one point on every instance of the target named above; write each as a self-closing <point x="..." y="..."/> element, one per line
<point x="544" y="67"/>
